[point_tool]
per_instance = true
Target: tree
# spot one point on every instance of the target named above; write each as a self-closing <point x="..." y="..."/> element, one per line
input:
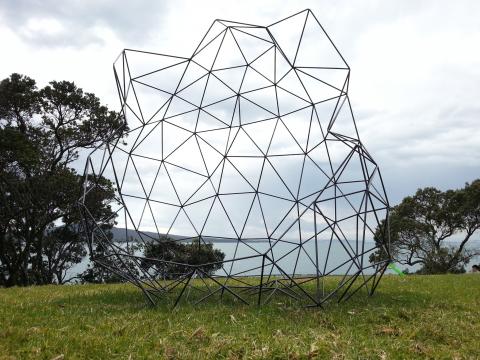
<point x="176" y="255"/>
<point x="41" y="134"/>
<point x="432" y="229"/>
<point x="106" y="272"/>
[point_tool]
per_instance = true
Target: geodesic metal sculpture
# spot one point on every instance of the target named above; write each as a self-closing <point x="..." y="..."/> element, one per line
<point x="250" y="143"/>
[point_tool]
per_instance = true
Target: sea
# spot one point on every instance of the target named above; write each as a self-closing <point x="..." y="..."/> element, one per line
<point x="334" y="258"/>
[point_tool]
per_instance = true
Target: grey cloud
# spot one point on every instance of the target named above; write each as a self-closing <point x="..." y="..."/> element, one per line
<point x="79" y="23"/>
<point x="431" y="143"/>
<point x="449" y="133"/>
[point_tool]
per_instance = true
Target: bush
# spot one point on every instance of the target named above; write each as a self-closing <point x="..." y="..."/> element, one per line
<point x="170" y="259"/>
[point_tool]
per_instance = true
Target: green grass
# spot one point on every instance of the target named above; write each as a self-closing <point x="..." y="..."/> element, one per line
<point x="409" y="317"/>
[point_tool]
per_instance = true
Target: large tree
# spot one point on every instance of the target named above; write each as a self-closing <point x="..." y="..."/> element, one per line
<point x="432" y="228"/>
<point x="41" y="134"/>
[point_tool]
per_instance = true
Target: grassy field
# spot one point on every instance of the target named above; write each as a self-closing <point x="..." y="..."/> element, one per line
<point x="436" y="317"/>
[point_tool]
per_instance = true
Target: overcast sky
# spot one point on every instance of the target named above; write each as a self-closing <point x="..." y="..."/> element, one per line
<point x="415" y="78"/>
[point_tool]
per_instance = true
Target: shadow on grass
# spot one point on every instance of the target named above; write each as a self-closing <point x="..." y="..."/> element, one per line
<point x="128" y="298"/>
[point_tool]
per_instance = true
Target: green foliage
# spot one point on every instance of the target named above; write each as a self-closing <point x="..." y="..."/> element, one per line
<point x="175" y="255"/>
<point x="421" y="226"/>
<point x="103" y="271"/>
<point x="41" y="134"/>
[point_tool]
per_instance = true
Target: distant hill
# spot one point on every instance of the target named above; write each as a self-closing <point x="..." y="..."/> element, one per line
<point x="121" y="235"/>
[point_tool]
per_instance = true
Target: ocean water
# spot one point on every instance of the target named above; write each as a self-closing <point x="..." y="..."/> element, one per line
<point x="333" y="258"/>
<point x="246" y="258"/>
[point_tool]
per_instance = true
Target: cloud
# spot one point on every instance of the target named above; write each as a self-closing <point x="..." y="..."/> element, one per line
<point x="415" y="67"/>
<point x="79" y="23"/>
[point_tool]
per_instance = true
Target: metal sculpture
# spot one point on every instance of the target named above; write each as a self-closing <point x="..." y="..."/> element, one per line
<point x="250" y="141"/>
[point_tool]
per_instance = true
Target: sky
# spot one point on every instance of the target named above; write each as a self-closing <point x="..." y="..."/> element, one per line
<point x="415" y="66"/>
